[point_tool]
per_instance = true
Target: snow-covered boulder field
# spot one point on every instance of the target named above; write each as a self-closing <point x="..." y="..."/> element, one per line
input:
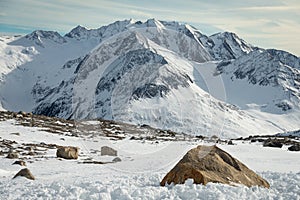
<point x="144" y="162"/>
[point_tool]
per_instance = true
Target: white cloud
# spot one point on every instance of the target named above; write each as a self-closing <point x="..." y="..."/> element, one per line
<point x="273" y="23"/>
<point x="140" y="14"/>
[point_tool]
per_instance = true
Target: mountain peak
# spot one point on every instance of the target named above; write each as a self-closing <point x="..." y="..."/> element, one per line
<point x="77" y="32"/>
<point x="154" y="23"/>
<point x="39" y="36"/>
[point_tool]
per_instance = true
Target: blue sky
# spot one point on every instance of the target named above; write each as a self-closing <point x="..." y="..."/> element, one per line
<point x="269" y="24"/>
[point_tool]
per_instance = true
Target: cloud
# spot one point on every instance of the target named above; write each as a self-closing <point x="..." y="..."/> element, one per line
<point x="250" y="19"/>
<point x="138" y="13"/>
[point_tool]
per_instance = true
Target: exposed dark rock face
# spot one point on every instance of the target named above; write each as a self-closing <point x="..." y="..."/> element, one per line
<point x="150" y="90"/>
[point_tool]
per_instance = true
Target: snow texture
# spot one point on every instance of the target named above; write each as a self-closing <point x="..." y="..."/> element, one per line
<point x="138" y="175"/>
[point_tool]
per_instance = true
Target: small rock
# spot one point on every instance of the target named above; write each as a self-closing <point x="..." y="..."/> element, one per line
<point x="272" y="143"/>
<point x="117" y="159"/>
<point x="67" y="152"/>
<point x="12" y="155"/>
<point x="108" y="151"/>
<point x="19" y="162"/>
<point x="230" y="142"/>
<point x="22" y="113"/>
<point x="26" y="173"/>
<point x="28" y="148"/>
<point x="295" y="147"/>
<point x="18" y="134"/>
<point x="94" y="162"/>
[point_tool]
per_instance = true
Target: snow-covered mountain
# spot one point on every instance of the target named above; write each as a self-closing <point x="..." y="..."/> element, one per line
<point x="165" y="74"/>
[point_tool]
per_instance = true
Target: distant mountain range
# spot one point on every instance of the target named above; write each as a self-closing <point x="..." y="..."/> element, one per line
<point x="165" y="74"/>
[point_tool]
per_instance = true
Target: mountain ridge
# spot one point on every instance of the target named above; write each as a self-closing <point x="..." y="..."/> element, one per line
<point x="156" y="73"/>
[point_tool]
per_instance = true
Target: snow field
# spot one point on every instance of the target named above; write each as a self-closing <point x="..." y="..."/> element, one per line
<point x="137" y="176"/>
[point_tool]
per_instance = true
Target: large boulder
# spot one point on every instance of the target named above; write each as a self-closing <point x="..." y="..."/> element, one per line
<point x="26" y="173"/>
<point x="108" y="151"/>
<point x="67" y="152"/>
<point x="211" y="164"/>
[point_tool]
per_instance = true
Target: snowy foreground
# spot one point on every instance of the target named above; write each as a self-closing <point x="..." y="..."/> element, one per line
<point x="137" y="176"/>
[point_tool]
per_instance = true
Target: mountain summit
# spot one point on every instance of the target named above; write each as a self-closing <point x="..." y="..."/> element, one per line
<point x="165" y="74"/>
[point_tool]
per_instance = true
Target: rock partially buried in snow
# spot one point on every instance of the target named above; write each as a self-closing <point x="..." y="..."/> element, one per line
<point x="67" y="152"/>
<point x="26" y="173"/>
<point x="295" y="147"/>
<point x="12" y="155"/>
<point x="116" y="159"/>
<point x="206" y="164"/>
<point x="108" y="151"/>
<point x="20" y="162"/>
<point x="272" y="143"/>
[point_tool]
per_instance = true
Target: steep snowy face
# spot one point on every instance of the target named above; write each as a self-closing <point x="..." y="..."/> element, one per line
<point x="13" y="56"/>
<point x="132" y="53"/>
<point x="79" y="32"/>
<point x="277" y="70"/>
<point x="133" y="77"/>
<point x="226" y="46"/>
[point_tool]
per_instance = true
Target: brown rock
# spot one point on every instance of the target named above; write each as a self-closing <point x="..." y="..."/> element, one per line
<point x="67" y="152"/>
<point x="26" y="173"/>
<point x="108" y="151"/>
<point x="12" y="155"/>
<point x="19" y="162"/>
<point x="210" y="164"/>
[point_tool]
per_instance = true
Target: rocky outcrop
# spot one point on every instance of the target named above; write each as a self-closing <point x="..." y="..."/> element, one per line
<point x="67" y="152"/>
<point x="206" y="164"/>
<point x="26" y="173"/>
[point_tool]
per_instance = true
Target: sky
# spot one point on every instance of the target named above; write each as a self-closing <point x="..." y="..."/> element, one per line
<point x="263" y="23"/>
